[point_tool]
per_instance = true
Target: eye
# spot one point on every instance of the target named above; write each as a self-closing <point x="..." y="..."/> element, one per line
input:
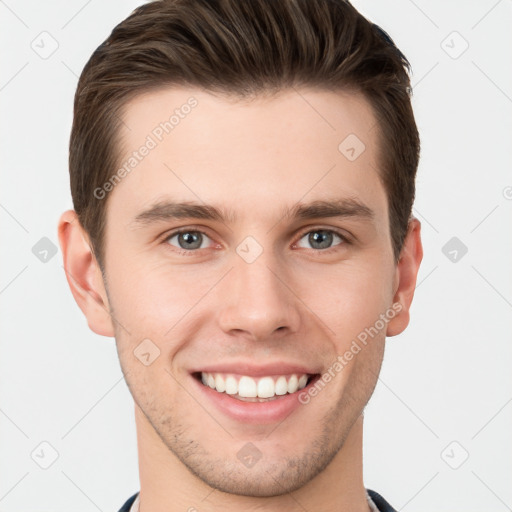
<point x="322" y="238"/>
<point x="188" y="239"/>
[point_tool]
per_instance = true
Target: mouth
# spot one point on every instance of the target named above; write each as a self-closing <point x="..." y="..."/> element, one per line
<point x="257" y="394"/>
<point x="246" y="388"/>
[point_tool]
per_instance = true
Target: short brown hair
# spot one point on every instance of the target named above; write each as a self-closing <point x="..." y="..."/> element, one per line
<point x="241" y="48"/>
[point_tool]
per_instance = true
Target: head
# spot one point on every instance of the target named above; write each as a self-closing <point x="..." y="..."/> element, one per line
<point x="279" y="138"/>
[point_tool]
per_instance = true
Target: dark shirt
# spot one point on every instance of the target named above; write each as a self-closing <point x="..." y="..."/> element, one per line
<point x="379" y="501"/>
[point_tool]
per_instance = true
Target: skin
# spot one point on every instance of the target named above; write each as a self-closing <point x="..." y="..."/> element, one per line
<point x="296" y="302"/>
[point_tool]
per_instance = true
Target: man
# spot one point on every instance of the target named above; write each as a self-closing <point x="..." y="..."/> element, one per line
<point x="243" y="176"/>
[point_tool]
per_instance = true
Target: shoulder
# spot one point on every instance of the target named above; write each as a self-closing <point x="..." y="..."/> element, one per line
<point x="128" y="503"/>
<point x="380" y="502"/>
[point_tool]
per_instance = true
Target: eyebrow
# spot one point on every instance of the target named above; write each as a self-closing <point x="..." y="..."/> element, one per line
<point x="170" y="210"/>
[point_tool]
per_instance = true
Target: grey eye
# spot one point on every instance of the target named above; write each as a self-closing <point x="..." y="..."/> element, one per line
<point x="188" y="240"/>
<point x="321" y="238"/>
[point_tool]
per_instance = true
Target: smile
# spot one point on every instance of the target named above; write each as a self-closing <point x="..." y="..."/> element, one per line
<point x="255" y="394"/>
<point x="249" y="389"/>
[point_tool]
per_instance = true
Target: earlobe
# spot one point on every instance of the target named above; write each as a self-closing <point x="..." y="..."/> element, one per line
<point x="84" y="274"/>
<point x="406" y="275"/>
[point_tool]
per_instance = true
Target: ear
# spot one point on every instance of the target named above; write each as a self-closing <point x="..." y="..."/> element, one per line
<point x="84" y="274"/>
<point x="405" y="277"/>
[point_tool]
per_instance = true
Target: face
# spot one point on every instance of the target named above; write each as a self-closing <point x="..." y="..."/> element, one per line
<point x="249" y="247"/>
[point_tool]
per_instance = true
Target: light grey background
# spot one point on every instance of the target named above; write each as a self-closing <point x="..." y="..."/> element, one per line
<point x="445" y="389"/>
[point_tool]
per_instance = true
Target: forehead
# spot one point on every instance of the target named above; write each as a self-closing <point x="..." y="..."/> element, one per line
<point x="247" y="155"/>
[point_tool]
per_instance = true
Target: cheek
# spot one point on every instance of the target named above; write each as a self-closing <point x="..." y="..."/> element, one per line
<point x="153" y="298"/>
<point x="352" y="298"/>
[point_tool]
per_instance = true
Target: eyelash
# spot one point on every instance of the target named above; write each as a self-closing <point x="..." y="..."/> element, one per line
<point x="344" y="240"/>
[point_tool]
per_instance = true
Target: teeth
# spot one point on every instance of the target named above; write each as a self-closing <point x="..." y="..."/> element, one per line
<point x="231" y="386"/>
<point x="265" y="387"/>
<point x="281" y="386"/>
<point x="248" y="387"/>
<point x="293" y="384"/>
<point x="220" y="385"/>
<point x="303" y="381"/>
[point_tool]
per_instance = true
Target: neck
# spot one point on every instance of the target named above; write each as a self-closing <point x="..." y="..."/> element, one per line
<point x="166" y="484"/>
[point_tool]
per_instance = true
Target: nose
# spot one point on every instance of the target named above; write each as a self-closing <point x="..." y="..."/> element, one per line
<point x="257" y="300"/>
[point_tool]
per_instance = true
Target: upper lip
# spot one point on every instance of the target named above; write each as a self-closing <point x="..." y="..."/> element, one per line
<point x="252" y="370"/>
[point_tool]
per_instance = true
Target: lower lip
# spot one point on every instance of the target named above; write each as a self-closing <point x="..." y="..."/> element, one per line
<point x="254" y="412"/>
